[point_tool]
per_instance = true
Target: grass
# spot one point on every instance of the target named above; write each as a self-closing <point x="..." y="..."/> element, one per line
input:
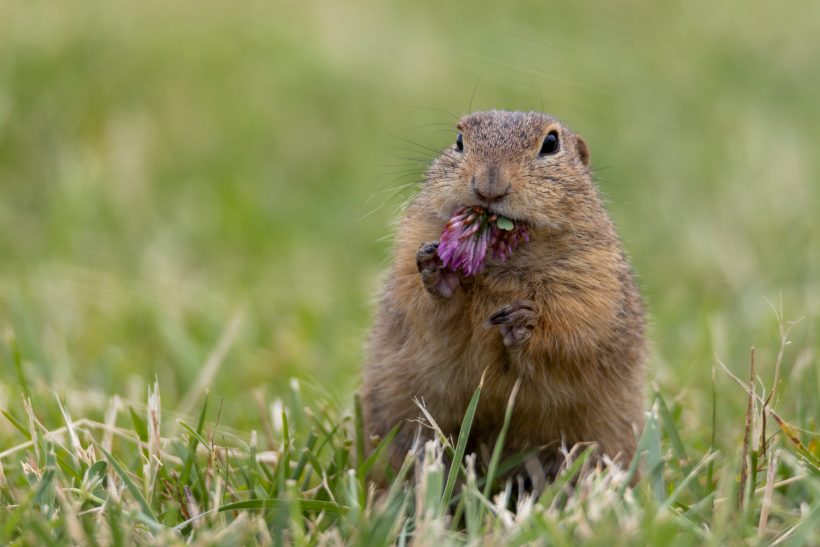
<point x="194" y="198"/>
<point x="128" y="473"/>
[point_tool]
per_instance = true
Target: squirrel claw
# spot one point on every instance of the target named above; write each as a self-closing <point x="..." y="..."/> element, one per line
<point x="516" y="322"/>
<point x="436" y="278"/>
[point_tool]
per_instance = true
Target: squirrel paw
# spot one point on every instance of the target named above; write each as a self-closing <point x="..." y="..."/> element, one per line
<point x="435" y="277"/>
<point x="516" y="322"/>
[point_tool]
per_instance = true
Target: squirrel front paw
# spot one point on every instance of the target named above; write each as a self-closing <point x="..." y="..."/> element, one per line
<point x="516" y="322"/>
<point x="436" y="278"/>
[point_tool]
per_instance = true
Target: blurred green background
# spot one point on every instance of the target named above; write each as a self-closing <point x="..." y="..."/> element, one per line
<point x="168" y="166"/>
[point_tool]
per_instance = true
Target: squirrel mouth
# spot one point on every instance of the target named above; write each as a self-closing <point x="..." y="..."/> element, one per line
<point x="472" y="232"/>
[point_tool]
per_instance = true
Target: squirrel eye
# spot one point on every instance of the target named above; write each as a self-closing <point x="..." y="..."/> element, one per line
<point x="460" y="143"/>
<point x="551" y="144"/>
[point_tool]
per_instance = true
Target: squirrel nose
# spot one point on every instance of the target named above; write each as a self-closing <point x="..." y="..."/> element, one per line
<point x="489" y="193"/>
<point x="489" y="197"/>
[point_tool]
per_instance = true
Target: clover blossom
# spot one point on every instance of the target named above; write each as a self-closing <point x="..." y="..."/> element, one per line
<point x="471" y="232"/>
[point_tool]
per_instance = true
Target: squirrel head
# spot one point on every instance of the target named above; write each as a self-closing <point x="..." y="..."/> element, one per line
<point x="526" y="166"/>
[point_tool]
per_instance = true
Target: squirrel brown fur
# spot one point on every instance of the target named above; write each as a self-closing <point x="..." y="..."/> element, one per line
<point x="563" y="314"/>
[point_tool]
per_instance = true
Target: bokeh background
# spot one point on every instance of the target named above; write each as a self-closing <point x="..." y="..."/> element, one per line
<point x="170" y="169"/>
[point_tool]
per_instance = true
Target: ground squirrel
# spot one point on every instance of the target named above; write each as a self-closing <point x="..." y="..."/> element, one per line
<point x="563" y="313"/>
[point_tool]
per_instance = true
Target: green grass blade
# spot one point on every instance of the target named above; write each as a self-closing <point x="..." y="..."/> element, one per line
<point x="667" y="503"/>
<point x="371" y="460"/>
<point x="284" y="465"/>
<point x="649" y="445"/>
<point x="559" y="485"/>
<point x="17" y="424"/>
<point x="194" y="434"/>
<point x="654" y="455"/>
<point x="201" y="421"/>
<point x="397" y="486"/>
<point x="196" y="438"/>
<point x="269" y="503"/>
<point x="499" y="443"/>
<point x="11" y="339"/>
<point x="132" y="487"/>
<point x="359" y="425"/>
<point x="671" y="430"/>
<point x="461" y="446"/>
<point x="314" y="463"/>
<point x="139" y="424"/>
<point x="300" y="464"/>
<point x="45" y="493"/>
<point x="710" y="470"/>
<point x="806" y="529"/>
<point x="95" y="471"/>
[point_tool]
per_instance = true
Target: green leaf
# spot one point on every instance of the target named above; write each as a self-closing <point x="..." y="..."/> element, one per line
<point x="504" y="223"/>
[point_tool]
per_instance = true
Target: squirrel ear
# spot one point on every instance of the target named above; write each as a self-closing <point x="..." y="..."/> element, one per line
<point x="583" y="149"/>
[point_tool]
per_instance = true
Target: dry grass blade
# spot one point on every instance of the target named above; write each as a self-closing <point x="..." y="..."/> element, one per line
<point x="744" y="465"/>
<point x="784" y="341"/>
<point x="788" y="430"/>
<point x="766" y="504"/>
<point x="791" y="435"/>
<point x="445" y="442"/>
<point x="74" y="439"/>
